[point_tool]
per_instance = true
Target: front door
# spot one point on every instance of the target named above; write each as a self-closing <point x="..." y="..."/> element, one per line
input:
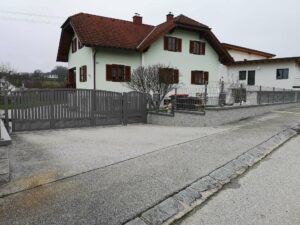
<point x="72" y="78"/>
<point x="251" y="77"/>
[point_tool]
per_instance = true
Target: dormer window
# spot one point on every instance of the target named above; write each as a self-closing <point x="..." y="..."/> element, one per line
<point x="74" y="45"/>
<point x="172" y="44"/>
<point x="80" y="45"/>
<point x="197" y="47"/>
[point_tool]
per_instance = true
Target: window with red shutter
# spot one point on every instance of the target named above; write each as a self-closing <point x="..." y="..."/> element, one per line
<point x="197" y="47"/>
<point x="199" y="77"/>
<point x="74" y="45"/>
<point x="83" y="74"/>
<point x="168" y="76"/>
<point x="172" y="44"/>
<point x="118" y="73"/>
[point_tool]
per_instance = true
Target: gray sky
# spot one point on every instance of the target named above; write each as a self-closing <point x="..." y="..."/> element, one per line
<point x="30" y="29"/>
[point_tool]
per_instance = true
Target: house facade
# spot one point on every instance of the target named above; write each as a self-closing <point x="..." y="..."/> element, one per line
<point x="253" y="67"/>
<point x="103" y="57"/>
<point x="103" y="52"/>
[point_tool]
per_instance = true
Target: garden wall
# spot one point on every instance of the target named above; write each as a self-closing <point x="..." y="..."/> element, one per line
<point x="213" y="116"/>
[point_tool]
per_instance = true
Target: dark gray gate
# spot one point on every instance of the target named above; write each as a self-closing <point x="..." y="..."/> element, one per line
<point x="65" y="108"/>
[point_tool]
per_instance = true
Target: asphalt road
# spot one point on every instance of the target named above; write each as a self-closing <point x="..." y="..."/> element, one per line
<point x="268" y="194"/>
<point x="116" y="193"/>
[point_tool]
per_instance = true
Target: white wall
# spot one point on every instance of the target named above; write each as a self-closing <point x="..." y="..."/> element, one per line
<point x="114" y="56"/>
<point x="184" y="61"/>
<point x="81" y="57"/>
<point x="265" y="74"/>
<point x="241" y="56"/>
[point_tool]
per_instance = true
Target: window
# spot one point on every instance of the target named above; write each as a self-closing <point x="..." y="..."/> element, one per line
<point x="83" y="74"/>
<point x="197" y="47"/>
<point x="118" y="73"/>
<point x="282" y="74"/>
<point x="251" y="77"/>
<point x="74" y="45"/>
<point x="80" y="45"/>
<point x="172" y="44"/>
<point x="199" y="77"/>
<point x="168" y="76"/>
<point x="242" y="75"/>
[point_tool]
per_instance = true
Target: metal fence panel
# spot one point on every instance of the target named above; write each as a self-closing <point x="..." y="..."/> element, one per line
<point x="65" y="108"/>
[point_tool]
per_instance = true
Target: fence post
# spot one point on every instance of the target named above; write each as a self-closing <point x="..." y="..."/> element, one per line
<point x="240" y="94"/>
<point x="205" y="95"/>
<point x="273" y="95"/>
<point x="259" y="95"/>
<point x="125" y="116"/>
<point x="175" y="100"/>
<point x="144" y="110"/>
<point x="283" y="93"/>
<point x="6" y="120"/>
<point x="51" y="109"/>
<point x="93" y="106"/>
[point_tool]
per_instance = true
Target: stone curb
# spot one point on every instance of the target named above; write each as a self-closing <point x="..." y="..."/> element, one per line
<point x="178" y="205"/>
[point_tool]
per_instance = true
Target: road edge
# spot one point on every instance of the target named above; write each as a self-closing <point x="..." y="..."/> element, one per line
<point x="183" y="202"/>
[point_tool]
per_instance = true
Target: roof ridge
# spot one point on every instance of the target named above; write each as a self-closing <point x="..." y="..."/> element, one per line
<point x="105" y="17"/>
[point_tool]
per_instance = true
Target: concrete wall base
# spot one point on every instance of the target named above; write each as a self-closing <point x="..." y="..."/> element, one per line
<point x="214" y="116"/>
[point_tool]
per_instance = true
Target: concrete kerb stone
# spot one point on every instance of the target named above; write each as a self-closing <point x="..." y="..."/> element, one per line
<point x="162" y="212"/>
<point x="181" y="203"/>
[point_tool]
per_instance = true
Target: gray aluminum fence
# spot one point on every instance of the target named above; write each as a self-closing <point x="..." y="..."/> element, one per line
<point x="65" y="108"/>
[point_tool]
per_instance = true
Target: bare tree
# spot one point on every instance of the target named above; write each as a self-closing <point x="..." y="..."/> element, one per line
<point x="149" y="80"/>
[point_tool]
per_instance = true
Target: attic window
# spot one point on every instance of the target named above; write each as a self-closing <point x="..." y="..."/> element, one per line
<point x="197" y="47"/>
<point x="74" y="45"/>
<point x="80" y="45"/>
<point x="172" y="44"/>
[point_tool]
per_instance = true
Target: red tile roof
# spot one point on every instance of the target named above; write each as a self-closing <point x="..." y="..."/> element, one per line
<point x="99" y="31"/>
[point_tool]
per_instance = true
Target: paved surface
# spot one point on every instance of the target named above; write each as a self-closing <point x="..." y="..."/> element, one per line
<point x="117" y="193"/>
<point x="266" y="195"/>
<point x="43" y="156"/>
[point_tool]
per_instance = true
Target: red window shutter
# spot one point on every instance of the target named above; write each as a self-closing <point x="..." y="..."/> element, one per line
<point x="176" y="76"/>
<point x="84" y="73"/>
<point x="206" y="75"/>
<point x="127" y="73"/>
<point x="191" y="47"/>
<point x="193" y="77"/>
<point x="108" y="72"/>
<point x="202" y="48"/>
<point x="166" y="42"/>
<point x="74" y="45"/>
<point x="179" y="45"/>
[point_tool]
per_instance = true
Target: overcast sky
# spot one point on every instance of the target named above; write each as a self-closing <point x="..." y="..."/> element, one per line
<point x="30" y="29"/>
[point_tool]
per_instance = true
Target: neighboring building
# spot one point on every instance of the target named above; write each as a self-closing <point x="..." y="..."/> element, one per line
<point x="253" y="67"/>
<point x="51" y="76"/>
<point x="102" y="52"/>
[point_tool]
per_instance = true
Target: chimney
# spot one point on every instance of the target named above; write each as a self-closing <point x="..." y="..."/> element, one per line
<point x="170" y="17"/>
<point x="137" y="19"/>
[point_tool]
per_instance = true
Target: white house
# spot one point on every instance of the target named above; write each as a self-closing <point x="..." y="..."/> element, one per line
<point x="253" y="67"/>
<point x="102" y="52"/>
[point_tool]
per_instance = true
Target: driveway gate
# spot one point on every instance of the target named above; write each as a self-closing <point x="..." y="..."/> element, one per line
<point x="63" y="108"/>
